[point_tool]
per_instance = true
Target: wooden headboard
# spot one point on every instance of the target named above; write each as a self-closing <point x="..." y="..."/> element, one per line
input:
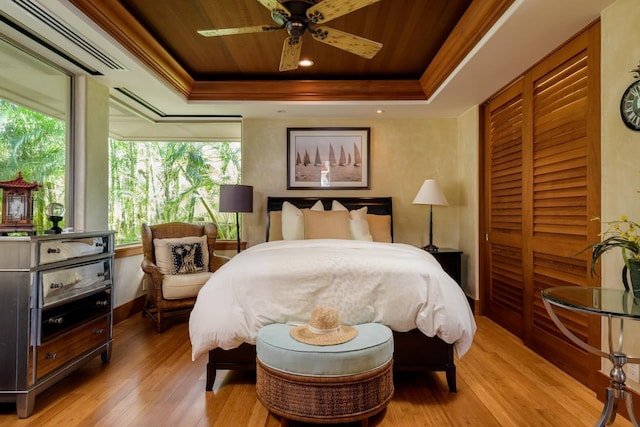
<point x="375" y="205"/>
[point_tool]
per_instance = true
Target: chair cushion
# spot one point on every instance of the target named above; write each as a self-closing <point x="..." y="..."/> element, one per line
<point x="179" y="286"/>
<point x="370" y="349"/>
<point x="182" y="255"/>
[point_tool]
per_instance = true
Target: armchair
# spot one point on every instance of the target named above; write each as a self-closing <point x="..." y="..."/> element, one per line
<point x="177" y="262"/>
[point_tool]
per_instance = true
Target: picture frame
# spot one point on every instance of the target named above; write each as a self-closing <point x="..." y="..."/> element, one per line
<point x="328" y="158"/>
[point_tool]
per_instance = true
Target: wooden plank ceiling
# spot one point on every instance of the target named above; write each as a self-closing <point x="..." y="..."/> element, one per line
<point x="423" y="41"/>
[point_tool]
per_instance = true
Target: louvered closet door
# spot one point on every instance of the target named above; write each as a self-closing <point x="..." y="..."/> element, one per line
<point x="541" y="188"/>
<point x="565" y="165"/>
<point x="503" y="295"/>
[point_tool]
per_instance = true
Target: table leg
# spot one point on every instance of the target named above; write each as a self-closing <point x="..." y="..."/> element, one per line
<point x="615" y="392"/>
<point x="632" y="416"/>
<point x="609" y="411"/>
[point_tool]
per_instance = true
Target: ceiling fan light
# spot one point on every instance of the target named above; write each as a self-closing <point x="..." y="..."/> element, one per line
<point x="295" y="28"/>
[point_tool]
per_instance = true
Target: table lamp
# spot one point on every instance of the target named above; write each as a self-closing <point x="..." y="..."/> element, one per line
<point x="430" y="194"/>
<point x="236" y="198"/>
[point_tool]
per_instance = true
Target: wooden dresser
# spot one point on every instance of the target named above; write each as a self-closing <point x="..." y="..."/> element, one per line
<point x="56" y="309"/>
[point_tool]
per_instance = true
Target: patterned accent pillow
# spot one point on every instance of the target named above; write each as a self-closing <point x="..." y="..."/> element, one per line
<point x="187" y="258"/>
<point x="182" y="255"/>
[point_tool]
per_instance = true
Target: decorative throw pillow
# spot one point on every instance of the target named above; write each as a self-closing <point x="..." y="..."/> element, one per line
<point x="293" y="220"/>
<point x="275" y="225"/>
<point x="358" y="224"/>
<point x="182" y="255"/>
<point x="380" y="227"/>
<point x="326" y="225"/>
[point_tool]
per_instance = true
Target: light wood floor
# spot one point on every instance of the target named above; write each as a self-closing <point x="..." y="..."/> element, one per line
<point x="151" y="381"/>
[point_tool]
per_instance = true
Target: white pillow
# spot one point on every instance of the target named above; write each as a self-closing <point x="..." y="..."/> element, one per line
<point x="358" y="223"/>
<point x="182" y="255"/>
<point x="337" y="206"/>
<point x="293" y="220"/>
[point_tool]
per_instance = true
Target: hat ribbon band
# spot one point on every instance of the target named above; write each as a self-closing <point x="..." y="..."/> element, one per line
<point x="323" y="331"/>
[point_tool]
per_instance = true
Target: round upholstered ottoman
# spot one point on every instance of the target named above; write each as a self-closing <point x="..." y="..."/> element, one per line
<point x="325" y="384"/>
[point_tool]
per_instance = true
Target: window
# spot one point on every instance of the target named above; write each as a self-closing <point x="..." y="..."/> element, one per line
<point x="35" y="101"/>
<point x="163" y="181"/>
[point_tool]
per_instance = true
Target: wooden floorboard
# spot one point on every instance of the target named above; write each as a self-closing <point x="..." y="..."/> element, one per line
<point x="151" y="381"/>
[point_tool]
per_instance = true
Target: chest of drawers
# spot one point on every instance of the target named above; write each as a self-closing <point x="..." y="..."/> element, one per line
<point x="56" y="310"/>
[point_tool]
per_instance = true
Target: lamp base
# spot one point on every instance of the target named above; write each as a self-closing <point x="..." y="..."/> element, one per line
<point x="431" y="248"/>
<point x="55" y="229"/>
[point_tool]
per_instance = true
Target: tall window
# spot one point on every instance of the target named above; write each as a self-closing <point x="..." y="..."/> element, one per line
<point x="35" y="101"/>
<point x="157" y="182"/>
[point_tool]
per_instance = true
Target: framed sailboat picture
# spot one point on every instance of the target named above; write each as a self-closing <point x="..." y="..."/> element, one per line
<point x="328" y="158"/>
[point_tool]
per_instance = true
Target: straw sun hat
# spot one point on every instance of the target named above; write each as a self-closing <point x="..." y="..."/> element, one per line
<point x="324" y="328"/>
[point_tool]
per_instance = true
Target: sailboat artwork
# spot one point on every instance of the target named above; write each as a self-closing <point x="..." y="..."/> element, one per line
<point x="321" y="158"/>
<point x="343" y="157"/>
<point x="332" y="156"/>
<point x="356" y="155"/>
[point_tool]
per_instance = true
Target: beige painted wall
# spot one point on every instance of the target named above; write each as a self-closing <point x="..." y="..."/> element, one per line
<point x="620" y="145"/>
<point x="403" y="152"/>
<point x="469" y="202"/>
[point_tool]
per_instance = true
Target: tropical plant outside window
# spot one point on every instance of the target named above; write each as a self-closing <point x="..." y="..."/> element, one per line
<point x="159" y="181"/>
<point x="34" y="144"/>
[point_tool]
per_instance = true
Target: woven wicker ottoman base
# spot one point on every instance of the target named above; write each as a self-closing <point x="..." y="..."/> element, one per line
<point x="312" y="393"/>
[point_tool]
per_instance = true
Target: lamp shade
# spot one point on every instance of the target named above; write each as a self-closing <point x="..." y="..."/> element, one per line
<point x="236" y="198"/>
<point x="430" y="194"/>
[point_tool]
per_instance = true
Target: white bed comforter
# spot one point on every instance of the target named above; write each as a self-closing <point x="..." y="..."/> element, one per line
<point x="283" y="281"/>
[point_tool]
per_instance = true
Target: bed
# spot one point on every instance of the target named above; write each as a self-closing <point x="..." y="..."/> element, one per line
<point x="270" y="283"/>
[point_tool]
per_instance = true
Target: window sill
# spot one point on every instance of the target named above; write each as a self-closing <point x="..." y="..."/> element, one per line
<point x="136" y="248"/>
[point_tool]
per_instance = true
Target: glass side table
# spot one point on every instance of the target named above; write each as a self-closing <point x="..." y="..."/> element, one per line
<point x="609" y="303"/>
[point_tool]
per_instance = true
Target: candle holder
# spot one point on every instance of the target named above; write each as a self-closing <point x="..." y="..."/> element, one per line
<point x="55" y="212"/>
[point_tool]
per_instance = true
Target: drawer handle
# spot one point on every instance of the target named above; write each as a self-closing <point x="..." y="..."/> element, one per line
<point x="56" y="320"/>
<point x="102" y="303"/>
<point x="51" y="355"/>
<point x="100" y="245"/>
<point x="53" y="250"/>
<point x="98" y="331"/>
<point x="102" y="274"/>
<point x="56" y="286"/>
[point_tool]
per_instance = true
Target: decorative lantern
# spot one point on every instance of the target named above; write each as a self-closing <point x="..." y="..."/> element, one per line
<point x="17" y="205"/>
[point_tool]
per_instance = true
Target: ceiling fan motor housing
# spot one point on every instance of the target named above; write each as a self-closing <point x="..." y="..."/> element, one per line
<point x="298" y="22"/>
<point x="295" y="28"/>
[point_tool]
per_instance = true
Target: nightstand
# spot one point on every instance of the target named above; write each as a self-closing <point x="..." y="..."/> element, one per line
<point x="451" y="262"/>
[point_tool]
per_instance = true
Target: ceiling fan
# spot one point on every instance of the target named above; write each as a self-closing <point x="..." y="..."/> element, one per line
<point x="298" y="16"/>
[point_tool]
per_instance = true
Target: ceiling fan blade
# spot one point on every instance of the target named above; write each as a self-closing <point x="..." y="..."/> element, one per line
<point x="275" y="7"/>
<point x="327" y="10"/>
<point x="290" y="53"/>
<point x="346" y="41"/>
<point x="243" y="30"/>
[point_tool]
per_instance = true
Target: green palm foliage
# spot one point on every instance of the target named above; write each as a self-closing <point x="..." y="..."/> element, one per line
<point x="149" y="181"/>
<point x="156" y="182"/>
<point x="34" y="144"/>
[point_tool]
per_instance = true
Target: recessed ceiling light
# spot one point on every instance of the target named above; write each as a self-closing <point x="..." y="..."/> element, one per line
<point x="379" y="111"/>
<point x="305" y="63"/>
